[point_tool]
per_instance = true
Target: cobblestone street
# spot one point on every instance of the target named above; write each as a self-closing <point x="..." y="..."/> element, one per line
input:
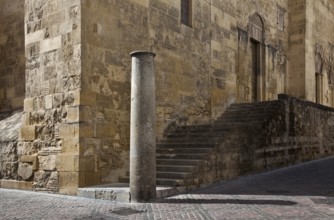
<point x="301" y="192"/>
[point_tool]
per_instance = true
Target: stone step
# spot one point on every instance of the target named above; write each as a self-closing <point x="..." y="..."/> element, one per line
<point x="177" y="150"/>
<point x="249" y="113"/>
<point x="187" y="156"/>
<point x="176" y="162"/>
<point x="188" y="141"/>
<point x="234" y="116"/>
<point x="175" y="168"/>
<point x="250" y="109"/>
<point x="170" y="182"/>
<point x="228" y="126"/>
<point x="185" y="134"/>
<point x="159" y="181"/>
<point x="261" y="103"/>
<point x="193" y="128"/>
<point x="229" y="123"/>
<point x="183" y="144"/>
<point x="182" y="151"/>
<point x="194" y="133"/>
<point x="172" y="175"/>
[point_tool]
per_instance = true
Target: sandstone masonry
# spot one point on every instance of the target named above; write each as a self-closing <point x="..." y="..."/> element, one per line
<point x="65" y="72"/>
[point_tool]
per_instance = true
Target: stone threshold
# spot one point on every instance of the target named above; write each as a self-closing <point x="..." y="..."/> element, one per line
<point x="120" y="192"/>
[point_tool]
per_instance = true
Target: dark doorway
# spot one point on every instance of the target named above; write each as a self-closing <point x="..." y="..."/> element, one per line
<point x="255" y="58"/>
<point x="256" y="38"/>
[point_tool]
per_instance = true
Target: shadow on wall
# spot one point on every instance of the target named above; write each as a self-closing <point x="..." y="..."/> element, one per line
<point x="9" y="153"/>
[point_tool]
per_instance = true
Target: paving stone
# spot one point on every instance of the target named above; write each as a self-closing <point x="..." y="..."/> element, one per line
<point x="253" y="197"/>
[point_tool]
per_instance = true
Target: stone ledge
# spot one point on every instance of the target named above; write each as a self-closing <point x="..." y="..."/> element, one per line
<point x="12" y="184"/>
<point x="114" y="193"/>
<point x="120" y="192"/>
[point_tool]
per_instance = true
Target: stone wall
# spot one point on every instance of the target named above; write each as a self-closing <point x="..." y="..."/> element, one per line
<point x="303" y="131"/>
<point x="49" y="135"/>
<point x="273" y="49"/>
<point x="296" y="48"/>
<point x="12" y="61"/>
<point x="196" y="67"/>
<point x="112" y="30"/>
<point x="311" y="50"/>
<point x="75" y="125"/>
<point x="319" y="46"/>
<point x="298" y="131"/>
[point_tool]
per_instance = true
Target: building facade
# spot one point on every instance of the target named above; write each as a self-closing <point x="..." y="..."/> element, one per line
<point x="65" y="75"/>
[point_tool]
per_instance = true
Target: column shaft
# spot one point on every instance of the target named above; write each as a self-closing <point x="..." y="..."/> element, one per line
<point x="142" y="128"/>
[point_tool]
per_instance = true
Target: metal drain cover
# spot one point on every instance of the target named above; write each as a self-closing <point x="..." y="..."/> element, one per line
<point x="126" y="211"/>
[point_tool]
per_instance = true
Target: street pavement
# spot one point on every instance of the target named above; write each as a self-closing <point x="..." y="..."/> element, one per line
<point x="304" y="191"/>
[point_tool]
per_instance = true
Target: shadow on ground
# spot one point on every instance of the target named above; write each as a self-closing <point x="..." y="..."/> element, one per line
<point x="315" y="178"/>
<point x="231" y="201"/>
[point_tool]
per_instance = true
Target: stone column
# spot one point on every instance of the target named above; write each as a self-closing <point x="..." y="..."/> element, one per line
<point x="142" y="128"/>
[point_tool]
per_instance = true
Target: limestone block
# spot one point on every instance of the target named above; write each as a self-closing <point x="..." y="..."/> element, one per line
<point x="41" y="178"/>
<point x="28" y="104"/>
<point x="53" y="180"/>
<point x="47" y="163"/>
<point x="66" y="27"/>
<point x="68" y="183"/>
<point x="17" y="102"/>
<point x="89" y="147"/>
<point x="87" y="163"/>
<point x="87" y="193"/>
<point x="68" y="130"/>
<point x="86" y="131"/>
<point x="72" y="114"/>
<point x="34" y="37"/>
<point x="102" y="131"/>
<point x="76" y="97"/>
<point x="82" y="179"/>
<point x="88" y="99"/>
<point x="76" y="35"/>
<point x="30" y="159"/>
<point x="141" y="2"/>
<point x="48" y="101"/>
<point x="25" y="171"/>
<point x="50" y="44"/>
<point x="3" y="39"/>
<point x="12" y="184"/>
<point x="92" y="178"/>
<point x="67" y="163"/>
<point x="28" y="133"/>
<point x="10" y="92"/>
<point x="70" y="145"/>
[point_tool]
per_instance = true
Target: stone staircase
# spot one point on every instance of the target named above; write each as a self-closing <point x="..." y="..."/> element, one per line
<point x="183" y="151"/>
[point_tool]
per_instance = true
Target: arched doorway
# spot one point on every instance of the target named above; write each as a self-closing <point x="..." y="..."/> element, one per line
<point x="256" y="38"/>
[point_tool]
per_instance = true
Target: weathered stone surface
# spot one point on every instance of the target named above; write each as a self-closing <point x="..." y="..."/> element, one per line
<point x="9" y="127"/>
<point x="33" y="159"/>
<point x="14" y="184"/>
<point x="47" y="163"/>
<point x="25" y="171"/>
<point x="69" y="61"/>
<point x="142" y="128"/>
